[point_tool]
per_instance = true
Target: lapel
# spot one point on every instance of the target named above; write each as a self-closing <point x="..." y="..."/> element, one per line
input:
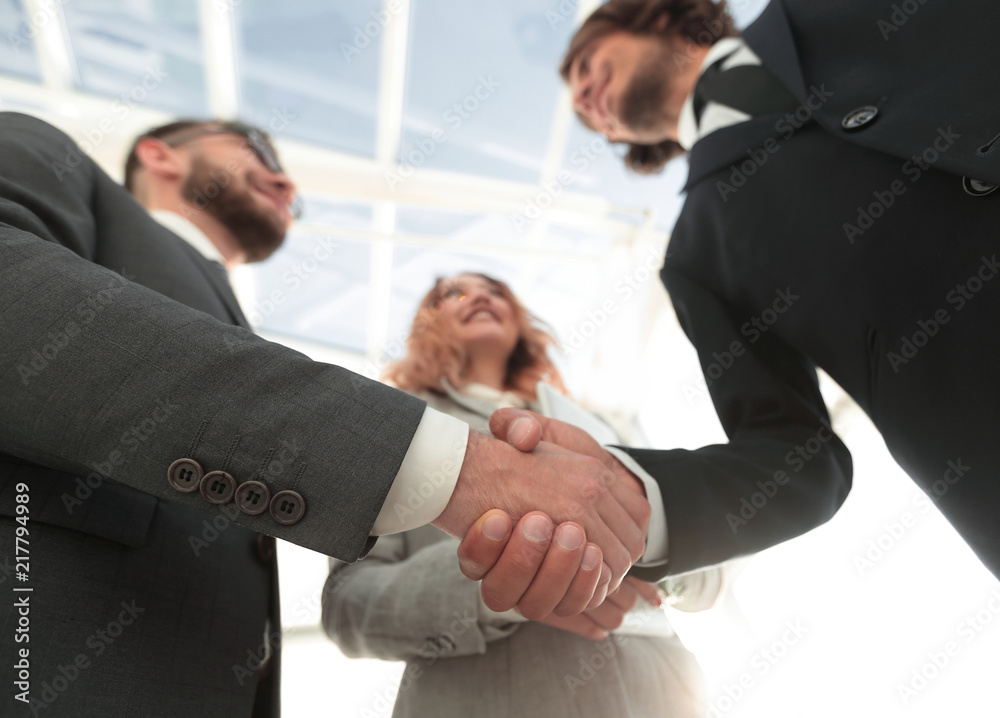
<point x="727" y="146"/>
<point x="216" y="276"/>
<point x="770" y="37"/>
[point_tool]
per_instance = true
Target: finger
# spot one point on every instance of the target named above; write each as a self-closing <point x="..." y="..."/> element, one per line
<point x="601" y="592"/>
<point x="580" y="625"/>
<point x="551" y="430"/>
<point x="524" y="433"/>
<point x="558" y="570"/>
<point x="618" y="535"/>
<point x="647" y="591"/>
<point x="638" y="510"/>
<point x="608" y="615"/>
<point x="624" y="599"/>
<point x="484" y="543"/>
<point x="581" y="590"/>
<point x="519" y="428"/>
<point x="629" y="491"/>
<point x="516" y="567"/>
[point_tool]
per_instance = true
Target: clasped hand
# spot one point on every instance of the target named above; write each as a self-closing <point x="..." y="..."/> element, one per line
<point x="582" y="517"/>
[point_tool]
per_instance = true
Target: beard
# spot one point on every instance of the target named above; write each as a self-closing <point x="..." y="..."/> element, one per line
<point x="258" y="232"/>
<point x="644" y="100"/>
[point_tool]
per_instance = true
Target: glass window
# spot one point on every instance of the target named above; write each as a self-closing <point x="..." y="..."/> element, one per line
<point x="141" y="52"/>
<point x="17" y="46"/>
<point x="481" y="86"/>
<point x="316" y="63"/>
<point x="593" y="166"/>
<point x="316" y="286"/>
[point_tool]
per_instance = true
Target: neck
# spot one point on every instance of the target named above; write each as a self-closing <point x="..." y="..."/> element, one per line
<point x="218" y="234"/>
<point x="486" y="368"/>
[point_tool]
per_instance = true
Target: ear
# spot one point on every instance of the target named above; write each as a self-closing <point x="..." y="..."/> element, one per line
<point x="159" y="159"/>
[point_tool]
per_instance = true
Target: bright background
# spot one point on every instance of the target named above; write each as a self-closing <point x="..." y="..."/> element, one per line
<point x="430" y="137"/>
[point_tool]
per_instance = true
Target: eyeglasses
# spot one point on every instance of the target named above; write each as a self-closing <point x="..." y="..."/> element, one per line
<point x="256" y="140"/>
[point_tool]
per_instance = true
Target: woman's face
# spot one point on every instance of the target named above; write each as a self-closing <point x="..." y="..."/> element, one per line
<point x="474" y="311"/>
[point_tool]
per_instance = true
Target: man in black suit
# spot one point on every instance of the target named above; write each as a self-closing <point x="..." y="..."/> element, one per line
<point x="150" y="444"/>
<point x="841" y="212"/>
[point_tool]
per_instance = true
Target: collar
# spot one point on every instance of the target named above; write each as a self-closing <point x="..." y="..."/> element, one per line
<point x="502" y="399"/>
<point x="190" y="233"/>
<point x="732" y="51"/>
<point x="481" y="399"/>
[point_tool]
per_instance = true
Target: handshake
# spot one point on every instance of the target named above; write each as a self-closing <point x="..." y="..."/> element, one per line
<point x="542" y="472"/>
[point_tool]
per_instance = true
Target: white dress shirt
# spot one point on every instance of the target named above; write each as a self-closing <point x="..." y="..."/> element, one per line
<point x="714" y="116"/>
<point x="190" y="233"/>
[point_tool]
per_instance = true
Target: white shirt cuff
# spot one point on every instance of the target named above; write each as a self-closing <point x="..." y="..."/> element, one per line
<point x="427" y="476"/>
<point x="656" y="539"/>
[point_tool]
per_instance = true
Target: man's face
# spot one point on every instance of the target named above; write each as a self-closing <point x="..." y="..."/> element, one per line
<point x="621" y="84"/>
<point x="230" y="182"/>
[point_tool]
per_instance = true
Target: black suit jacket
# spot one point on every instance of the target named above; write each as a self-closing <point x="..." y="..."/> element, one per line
<point x="122" y="351"/>
<point x="804" y="244"/>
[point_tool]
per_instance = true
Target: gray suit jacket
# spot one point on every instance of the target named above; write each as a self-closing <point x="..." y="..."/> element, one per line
<point x="122" y="351"/>
<point x="408" y="600"/>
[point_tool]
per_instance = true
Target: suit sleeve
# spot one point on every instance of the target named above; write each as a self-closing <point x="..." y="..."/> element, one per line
<point x="106" y="379"/>
<point x="783" y="471"/>
<point x="398" y="605"/>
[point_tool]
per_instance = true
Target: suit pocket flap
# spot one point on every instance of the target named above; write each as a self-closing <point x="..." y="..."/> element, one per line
<point x="111" y="511"/>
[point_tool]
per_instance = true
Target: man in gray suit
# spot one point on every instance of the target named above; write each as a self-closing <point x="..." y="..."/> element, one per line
<point x="150" y="444"/>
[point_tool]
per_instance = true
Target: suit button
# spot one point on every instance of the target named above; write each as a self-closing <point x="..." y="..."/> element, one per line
<point x="185" y="475"/>
<point x="977" y="188"/>
<point x="287" y="507"/>
<point x="252" y="497"/>
<point x="218" y="487"/>
<point x="265" y="548"/>
<point x="859" y="117"/>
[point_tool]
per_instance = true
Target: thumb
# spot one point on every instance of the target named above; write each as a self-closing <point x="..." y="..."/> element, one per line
<point x="519" y="428"/>
<point x="483" y="544"/>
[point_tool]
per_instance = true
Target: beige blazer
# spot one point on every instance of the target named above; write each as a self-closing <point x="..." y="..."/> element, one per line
<point x="409" y="601"/>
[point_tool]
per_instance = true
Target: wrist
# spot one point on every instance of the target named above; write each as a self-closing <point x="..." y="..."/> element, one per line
<point x="467" y="501"/>
<point x="623" y="474"/>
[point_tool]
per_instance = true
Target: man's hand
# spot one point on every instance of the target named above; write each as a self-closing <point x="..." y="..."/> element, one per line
<point x="510" y="564"/>
<point x="524" y="429"/>
<point x="574" y="578"/>
<point x="596" y="623"/>
<point x="567" y="486"/>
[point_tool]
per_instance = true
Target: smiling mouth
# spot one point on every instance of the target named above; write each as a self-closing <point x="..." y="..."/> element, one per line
<point x="273" y="198"/>
<point x="481" y="312"/>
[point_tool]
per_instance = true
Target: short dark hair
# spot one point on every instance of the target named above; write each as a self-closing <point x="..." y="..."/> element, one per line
<point x="132" y="164"/>
<point x="702" y="22"/>
<point x="181" y="131"/>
